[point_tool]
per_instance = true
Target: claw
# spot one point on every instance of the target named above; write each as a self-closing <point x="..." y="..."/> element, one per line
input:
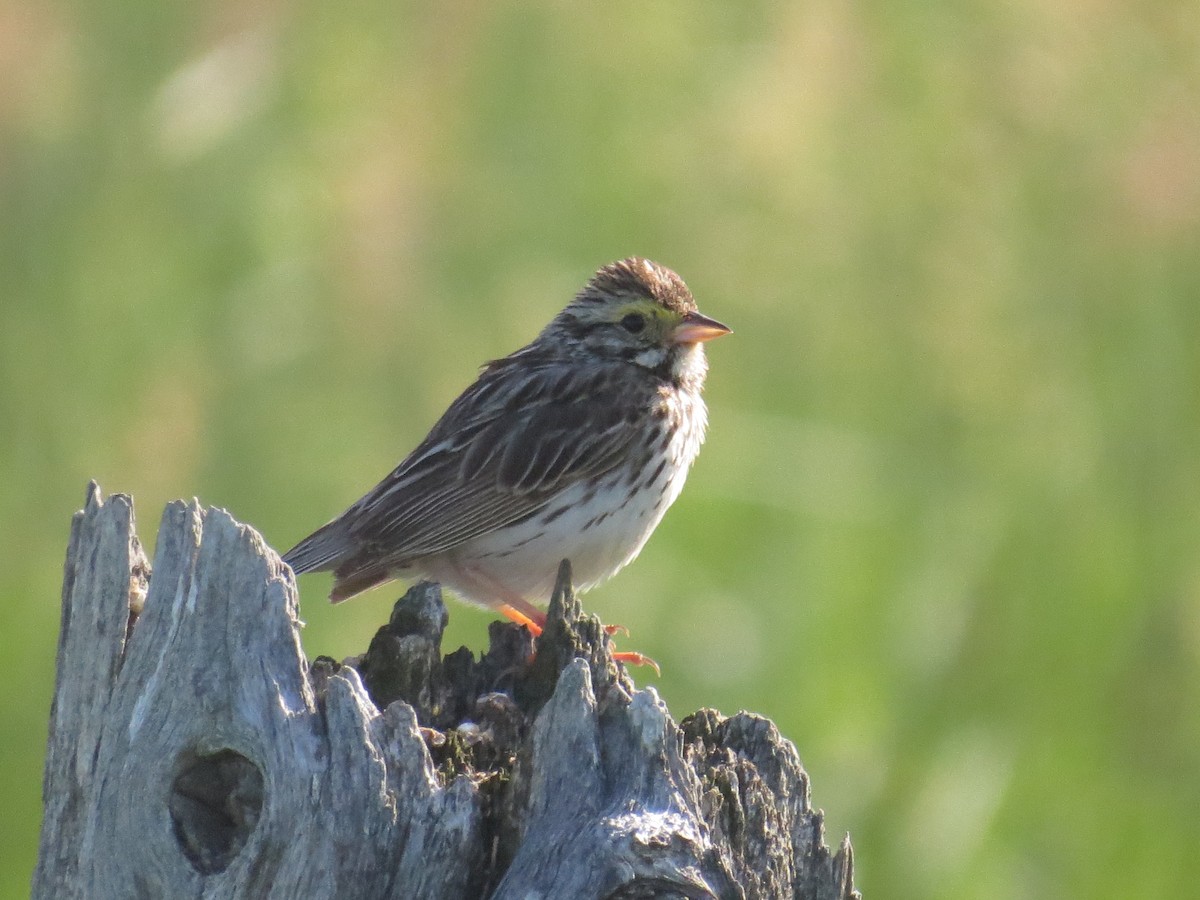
<point x="633" y="658"/>
<point x="630" y="657"/>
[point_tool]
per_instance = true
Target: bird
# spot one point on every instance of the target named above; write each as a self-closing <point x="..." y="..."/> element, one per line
<point x="572" y="447"/>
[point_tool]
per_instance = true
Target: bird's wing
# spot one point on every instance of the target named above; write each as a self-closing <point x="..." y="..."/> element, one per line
<point x="501" y="452"/>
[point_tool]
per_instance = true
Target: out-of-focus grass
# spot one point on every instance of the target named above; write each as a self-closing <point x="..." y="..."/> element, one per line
<point x="945" y="530"/>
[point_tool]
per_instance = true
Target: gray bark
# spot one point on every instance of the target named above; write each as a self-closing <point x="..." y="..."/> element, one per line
<point x="195" y="751"/>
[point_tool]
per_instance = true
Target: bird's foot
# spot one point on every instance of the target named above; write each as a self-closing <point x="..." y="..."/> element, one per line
<point x="629" y="657"/>
<point x="633" y="658"/>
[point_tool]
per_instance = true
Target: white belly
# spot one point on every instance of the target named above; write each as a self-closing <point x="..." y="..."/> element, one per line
<point x="599" y="531"/>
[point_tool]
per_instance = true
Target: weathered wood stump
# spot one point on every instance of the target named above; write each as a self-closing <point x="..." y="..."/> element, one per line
<point x="195" y="752"/>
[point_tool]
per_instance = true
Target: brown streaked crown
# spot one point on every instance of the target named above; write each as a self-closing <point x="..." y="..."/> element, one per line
<point x="638" y="277"/>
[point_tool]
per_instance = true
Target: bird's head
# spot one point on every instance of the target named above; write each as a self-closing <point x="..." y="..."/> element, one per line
<point x="640" y="312"/>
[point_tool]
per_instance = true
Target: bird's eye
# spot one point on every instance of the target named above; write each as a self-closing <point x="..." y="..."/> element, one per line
<point x="633" y="323"/>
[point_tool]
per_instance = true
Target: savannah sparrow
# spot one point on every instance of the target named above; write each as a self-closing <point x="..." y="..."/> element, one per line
<point x="571" y="448"/>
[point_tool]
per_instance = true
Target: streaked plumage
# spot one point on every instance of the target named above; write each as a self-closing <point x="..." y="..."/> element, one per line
<point x="571" y="447"/>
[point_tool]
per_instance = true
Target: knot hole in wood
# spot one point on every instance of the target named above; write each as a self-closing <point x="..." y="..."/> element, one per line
<point x="215" y="803"/>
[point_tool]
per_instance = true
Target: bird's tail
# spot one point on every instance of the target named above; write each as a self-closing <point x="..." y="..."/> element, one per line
<point x="332" y="547"/>
<point x="324" y="549"/>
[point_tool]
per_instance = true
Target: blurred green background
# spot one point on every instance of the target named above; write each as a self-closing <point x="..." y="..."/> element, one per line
<point x="945" y="528"/>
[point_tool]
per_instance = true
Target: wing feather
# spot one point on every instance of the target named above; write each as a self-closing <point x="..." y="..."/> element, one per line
<point x="501" y="453"/>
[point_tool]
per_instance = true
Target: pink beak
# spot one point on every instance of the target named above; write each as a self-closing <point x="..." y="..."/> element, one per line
<point x="696" y="328"/>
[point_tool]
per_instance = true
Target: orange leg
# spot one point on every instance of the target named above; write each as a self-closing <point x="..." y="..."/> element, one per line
<point x="630" y="658"/>
<point x="525" y="613"/>
<point x="518" y="616"/>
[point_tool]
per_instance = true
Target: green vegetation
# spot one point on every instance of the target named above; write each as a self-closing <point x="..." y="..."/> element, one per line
<point x="946" y="531"/>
